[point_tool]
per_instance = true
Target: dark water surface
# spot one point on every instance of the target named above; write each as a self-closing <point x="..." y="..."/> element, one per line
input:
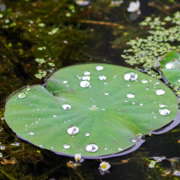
<point x="97" y="32"/>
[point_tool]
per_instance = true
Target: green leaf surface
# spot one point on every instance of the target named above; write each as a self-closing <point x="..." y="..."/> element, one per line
<point x="117" y="107"/>
<point x="170" y="66"/>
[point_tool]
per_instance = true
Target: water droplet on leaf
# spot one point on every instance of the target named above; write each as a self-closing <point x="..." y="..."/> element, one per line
<point x="91" y="148"/>
<point x="102" y="77"/>
<point x="72" y="130"/>
<point x="86" y="78"/>
<point x="22" y="95"/>
<point x="66" y="106"/>
<point x="66" y="146"/>
<point x="87" y="134"/>
<point x="164" y="112"/>
<point x="65" y="82"/>
<point x="161" y="105"/>
<point x="99" y="68"/>
<point x="87" y="73"/>
<point x="160" y="92"/>
<point x="120" y="149"/>
<point x="130" y="76"/>
<point x="136" y="138"/>
<point x="144" y="81"/>
<point x="130" y="95"/>
<point x="84" y="84"/>
<point x="93" y="108"/>
<point x="31" y="133"/>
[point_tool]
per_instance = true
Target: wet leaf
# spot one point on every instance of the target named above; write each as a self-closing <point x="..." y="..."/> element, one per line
<point x="92" y="109"/>
<point x="170" y="66"/>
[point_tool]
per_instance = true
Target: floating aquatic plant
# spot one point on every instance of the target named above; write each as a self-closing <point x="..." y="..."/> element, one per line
<point x="170" y="66"/>
<point x="163" y="38"/>
<point x="99" y="117"/>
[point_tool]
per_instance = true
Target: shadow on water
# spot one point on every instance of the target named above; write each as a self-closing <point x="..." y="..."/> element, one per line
<point x="97" y="32"/>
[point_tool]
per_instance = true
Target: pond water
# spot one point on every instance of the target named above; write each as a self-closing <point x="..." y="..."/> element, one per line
<point x="39" y="37"/>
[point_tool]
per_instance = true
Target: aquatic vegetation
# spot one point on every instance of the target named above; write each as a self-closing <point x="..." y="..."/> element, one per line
<point x="40" y="40"/>
<point x="66" y="115"/>
<point x="148" y="52"/>
<point x="170" y="66"/>
<point x="37" y="38"/>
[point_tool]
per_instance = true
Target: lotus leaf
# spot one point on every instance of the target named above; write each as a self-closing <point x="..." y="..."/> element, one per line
<point x="93" y="109"/>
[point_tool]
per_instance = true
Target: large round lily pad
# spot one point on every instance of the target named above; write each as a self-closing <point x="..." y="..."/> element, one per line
<point x="92" y="109"/>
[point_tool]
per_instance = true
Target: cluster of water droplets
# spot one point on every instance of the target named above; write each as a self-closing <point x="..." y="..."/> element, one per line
<point x="84" y="83"/>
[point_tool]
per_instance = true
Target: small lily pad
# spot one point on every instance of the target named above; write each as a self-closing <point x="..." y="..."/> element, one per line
<point x="170" y="66"/>
<point x="92" y="109"/>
